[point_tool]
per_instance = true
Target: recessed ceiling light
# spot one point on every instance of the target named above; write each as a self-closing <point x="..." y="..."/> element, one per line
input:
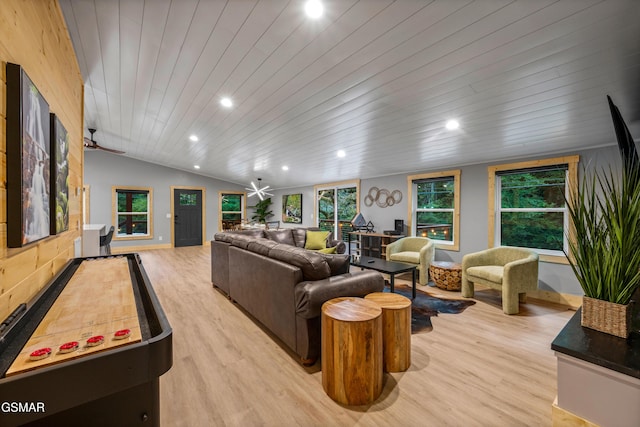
<point x="452" y="124"/>
<point x="196" y="166"/>
<point x="193" y="138"/>
<point x="285" y="168"/>
<point x="341" y="153"/>
<point x="314" y="9"/>
<point x="226" y="102"/>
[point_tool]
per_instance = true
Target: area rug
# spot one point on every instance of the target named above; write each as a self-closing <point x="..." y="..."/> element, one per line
<point x="425" y="306"/>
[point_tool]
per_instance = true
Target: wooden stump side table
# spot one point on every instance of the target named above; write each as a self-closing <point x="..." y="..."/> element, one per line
<point x="446" y="275"/>
<point x="352" y="350"/>
<point x="396" y="330"/>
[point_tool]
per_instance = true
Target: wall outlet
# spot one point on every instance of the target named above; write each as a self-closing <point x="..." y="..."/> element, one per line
<point x="168" y="216"/>
<point x="159" y="237"/>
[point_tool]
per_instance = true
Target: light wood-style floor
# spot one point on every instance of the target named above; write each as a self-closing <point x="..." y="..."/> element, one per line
<point x="477" y="368"/>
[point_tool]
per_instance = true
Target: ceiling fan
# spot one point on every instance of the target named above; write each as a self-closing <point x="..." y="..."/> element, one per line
<point x="90" y="143"/>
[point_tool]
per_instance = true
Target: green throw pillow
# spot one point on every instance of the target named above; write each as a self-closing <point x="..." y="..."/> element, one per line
<point x="316" y="240"/>
<point x="328" y="250"/>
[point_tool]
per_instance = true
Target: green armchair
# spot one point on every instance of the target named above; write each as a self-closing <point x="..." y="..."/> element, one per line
<point x="413" y="250"/>
<point x="514" y="271"/>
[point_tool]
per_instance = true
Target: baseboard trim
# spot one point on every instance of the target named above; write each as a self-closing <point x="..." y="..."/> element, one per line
<point x="563" y="418"/>
<point x="128" y="249"/>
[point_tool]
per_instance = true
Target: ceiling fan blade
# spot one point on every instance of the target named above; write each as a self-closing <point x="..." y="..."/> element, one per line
<point x="110" y="150"/>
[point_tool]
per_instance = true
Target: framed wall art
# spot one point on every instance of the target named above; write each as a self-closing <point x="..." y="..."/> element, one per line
<point x="59" y="213"/>
<point x="292" y="208"/>
<point x="28" y="160"/>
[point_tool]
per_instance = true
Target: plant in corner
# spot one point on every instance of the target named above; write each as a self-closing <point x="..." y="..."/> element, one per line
<point x="604" y="251"/>
<point x="262" y="212"/>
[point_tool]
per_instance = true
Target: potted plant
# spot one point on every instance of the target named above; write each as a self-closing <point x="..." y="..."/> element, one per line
<point x="262" y="212"/>
<point x="604" y="251"/>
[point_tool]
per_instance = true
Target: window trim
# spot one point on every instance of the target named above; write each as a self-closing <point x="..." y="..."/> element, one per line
<point x="114" y="212"/>
<point x="243" y="208"/>
<point x="572" y="181"/>
<point x="455" y="173"/>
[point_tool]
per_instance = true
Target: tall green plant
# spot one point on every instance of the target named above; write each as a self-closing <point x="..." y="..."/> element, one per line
<point x="262" y="212"/>
<point x="605" y="249"/>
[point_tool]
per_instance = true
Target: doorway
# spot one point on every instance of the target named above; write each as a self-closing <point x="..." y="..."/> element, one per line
<point x="187" y="217"/>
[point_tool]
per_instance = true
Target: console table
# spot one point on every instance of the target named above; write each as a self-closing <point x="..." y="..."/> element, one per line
<point x="371" y="244"/>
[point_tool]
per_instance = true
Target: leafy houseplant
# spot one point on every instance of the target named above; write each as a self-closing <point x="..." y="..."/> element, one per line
<point x="605" y="248"/>
<point x="262" y="212"/>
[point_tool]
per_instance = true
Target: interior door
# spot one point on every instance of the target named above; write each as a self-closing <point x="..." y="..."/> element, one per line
<point x="187" y="217"/>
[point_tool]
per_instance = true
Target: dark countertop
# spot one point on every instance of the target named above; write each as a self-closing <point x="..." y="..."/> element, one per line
<point x="601" y="349"/>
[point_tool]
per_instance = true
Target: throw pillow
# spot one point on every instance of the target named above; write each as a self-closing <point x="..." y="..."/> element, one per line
<point x="316" y="240"/>
<point x="328" y="250"/>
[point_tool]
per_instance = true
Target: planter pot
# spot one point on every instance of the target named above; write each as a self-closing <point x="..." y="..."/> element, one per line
<point x="607" y="317"/>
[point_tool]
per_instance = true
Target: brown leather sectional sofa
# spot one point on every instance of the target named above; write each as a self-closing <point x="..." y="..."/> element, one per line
<point x="283" y="285"/>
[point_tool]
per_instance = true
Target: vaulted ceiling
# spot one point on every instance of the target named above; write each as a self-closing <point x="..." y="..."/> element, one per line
<point x="375" y="78"/>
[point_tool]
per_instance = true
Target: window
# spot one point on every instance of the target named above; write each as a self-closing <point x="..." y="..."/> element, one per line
<point x="528" y="206"/>
<point x="435" y="207"/>
<point x="132" y="212"/>
<point x="336" y="205"/>
<point x="232" y="210"/>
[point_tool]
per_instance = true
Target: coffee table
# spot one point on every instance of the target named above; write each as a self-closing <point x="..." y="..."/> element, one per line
<point x="388" y="267"/>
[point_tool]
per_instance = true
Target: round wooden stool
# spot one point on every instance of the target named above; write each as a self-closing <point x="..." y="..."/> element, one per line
<point x="352" y="350"/>
<point x="396" y="329"/>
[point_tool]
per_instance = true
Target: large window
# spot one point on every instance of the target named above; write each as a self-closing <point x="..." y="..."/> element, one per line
<point x="529" y="209"/>
<point x="435" y="207"/>
<point x="132" y="212"/>
<point x="232" y="210"/>
<point x="336" y="205"/>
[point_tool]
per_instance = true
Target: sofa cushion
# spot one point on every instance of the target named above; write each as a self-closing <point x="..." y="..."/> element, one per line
<point x="280" y="236"/>
<point x="261" y="246"/>
<point x="491" y="273"/>
<point x="411" y="257"/>
<point x="299" y="236"/>
<point x="338" y="263"/>
<point x="316" y="240"/>
<point x="312" y="265"/>
<point x="241" y="240"/>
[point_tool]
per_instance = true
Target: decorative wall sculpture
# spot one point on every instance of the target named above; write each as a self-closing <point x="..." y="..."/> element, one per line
<point x="292" y="208"/>
<point x="28" y="160"/>
<point x="382" y="197"/>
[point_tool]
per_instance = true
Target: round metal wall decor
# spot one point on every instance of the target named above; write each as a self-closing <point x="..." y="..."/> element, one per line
<point x="382" y="197"/>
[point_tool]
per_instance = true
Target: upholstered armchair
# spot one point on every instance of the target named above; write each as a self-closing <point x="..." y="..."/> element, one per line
<point x="514" y="271"/>
<point x="413" y="250"/>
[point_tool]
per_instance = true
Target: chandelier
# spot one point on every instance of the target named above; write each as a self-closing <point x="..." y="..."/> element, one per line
<point x="258" y="190"/>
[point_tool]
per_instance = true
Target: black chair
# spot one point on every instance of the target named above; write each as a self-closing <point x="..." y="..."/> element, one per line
<point x="106" y="241"/>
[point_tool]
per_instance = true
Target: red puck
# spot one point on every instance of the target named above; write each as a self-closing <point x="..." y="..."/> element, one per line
<point x="69" y="347"/>
<point x="94" y="341"/>
<point x="41" y="353"/>
<point x="122" y="334"/>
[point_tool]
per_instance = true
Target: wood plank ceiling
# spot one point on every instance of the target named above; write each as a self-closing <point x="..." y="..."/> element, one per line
<point x="375" y="78"/>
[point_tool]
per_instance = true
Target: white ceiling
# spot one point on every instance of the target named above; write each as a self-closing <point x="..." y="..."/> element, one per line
<point x="377" y="79"/>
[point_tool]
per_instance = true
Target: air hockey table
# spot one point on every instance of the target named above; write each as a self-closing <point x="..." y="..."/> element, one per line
<point x="89" y="349"/>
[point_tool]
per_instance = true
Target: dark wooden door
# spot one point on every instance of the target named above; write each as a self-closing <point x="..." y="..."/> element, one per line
<point x="187" y="217"/>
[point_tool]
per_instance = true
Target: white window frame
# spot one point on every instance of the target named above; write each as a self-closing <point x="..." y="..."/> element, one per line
<point x="495" y="201"/>
<point x="115" y="213"/>
<point x="335" y="186"/>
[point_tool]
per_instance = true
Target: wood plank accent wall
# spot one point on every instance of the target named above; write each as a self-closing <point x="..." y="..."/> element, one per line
<point x="34" y="35"/>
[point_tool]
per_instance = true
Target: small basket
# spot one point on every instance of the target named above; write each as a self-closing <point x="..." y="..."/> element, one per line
<point x="607" y="317"/>
<point x="446" y="275"/>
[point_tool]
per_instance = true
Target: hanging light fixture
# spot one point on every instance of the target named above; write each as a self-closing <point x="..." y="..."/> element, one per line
<point x="258" y="190"/>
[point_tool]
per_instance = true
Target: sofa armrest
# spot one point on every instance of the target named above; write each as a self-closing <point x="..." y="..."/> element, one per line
<point x="310" y="295"/>
<point x="477" y="258"/>
<point x="341" y="247"/>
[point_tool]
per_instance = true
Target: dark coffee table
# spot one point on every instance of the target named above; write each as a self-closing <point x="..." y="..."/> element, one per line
<point x="388" y="267"/>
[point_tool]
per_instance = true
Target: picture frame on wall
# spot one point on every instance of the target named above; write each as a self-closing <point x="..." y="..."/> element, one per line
<point x="59" y="213"/>
<point x="28" y="160"/>
<point x="292" y="208"/>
